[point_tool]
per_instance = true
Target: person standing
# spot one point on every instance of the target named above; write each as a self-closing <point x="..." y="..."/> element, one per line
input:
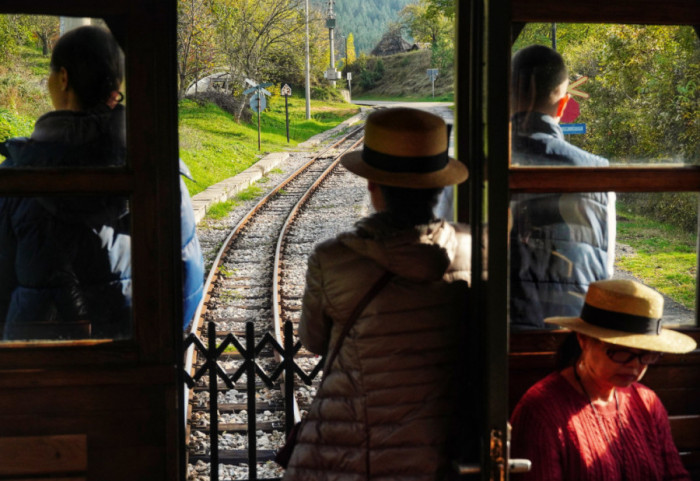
<point x="387" y="406"/>
<point x="66" y="260"/>
<point x="560" y="243"/>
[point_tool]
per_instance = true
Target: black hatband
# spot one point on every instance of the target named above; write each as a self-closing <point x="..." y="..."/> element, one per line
<point x="619" y="321"/>
<point x="395" y="163"/>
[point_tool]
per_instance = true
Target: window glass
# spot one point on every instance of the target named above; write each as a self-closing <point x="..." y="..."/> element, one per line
<point x="61" y="93"/>
<point x="560" y="242"/>
<point x="633" y="96"/>
<point x="65" y="260"/>
<point x="65" y="267"/>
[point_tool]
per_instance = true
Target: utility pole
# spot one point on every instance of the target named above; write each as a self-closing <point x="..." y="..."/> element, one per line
<point x="307" y="67"/>
<point x="331" y="73"/>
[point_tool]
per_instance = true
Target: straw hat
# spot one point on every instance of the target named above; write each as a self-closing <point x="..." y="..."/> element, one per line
<point x="406" y="148"/>
<point x="626" y="313"/>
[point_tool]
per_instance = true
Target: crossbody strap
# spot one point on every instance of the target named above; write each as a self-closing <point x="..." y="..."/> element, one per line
<point x="374" y="290"/>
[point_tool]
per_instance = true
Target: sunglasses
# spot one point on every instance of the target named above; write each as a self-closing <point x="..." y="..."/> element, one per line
<point x="623" y="356"/>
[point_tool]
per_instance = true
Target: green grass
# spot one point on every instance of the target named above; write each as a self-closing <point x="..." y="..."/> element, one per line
<point x="215" y="147"/>
<point x="665" y="258"/>
<point x="448" y="97"/>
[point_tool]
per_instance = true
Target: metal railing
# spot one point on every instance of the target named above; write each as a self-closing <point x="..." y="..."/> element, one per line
<point x="250" y="352"/>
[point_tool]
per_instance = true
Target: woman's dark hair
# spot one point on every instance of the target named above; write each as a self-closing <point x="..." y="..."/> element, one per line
<point x="94" y="62"/>
<point x="536" y="70"/>
<point x="410" y="206"/>
<point x="569" y="351"/>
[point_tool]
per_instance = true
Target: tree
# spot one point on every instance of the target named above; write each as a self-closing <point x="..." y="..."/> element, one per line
<point x="350" y="55"/>
<point x="44" y="28"/>
<point x="250" y="32"/>
<point x="195" y="42"/>
<point x="432" y="21"/>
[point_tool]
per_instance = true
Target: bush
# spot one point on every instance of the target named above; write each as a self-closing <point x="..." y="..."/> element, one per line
<point x="13" y="126"/>
<point x="676" y="208"/>
<point x="326" y="93"/>
<point x="225" y="101"/>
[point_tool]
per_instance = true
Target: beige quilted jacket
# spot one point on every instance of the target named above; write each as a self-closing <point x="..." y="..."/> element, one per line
<point x="386" y="409"/>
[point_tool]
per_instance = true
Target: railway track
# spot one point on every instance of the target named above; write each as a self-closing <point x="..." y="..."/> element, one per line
<point x="258" y="276"/>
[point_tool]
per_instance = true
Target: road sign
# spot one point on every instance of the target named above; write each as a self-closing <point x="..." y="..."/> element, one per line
<point x="574" y="91"/>
<point x="571" y="112"/>
<point x="573" y="129"/>
<point x="432" y="74"/>
<point x="254" y="104"/>
<point x="286" y="90"/>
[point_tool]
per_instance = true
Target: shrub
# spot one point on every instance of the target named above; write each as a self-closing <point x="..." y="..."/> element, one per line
<point x="225" y="101"/>
<point x="676" y="208"/>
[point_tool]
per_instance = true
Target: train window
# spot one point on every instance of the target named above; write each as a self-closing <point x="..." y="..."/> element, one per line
<point x="65" y="268"/>
<point x="623" y="98"/>
<point x="72" y="107"/>
<point x="633" y="92"/>
<point x="65" y="252"/>
<point x="562" y="241"/>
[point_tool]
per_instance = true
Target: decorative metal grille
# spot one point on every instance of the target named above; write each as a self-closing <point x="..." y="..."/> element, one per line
<point x="211" y="353"/>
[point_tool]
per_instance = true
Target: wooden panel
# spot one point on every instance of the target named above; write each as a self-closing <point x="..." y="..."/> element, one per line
<point x="64" y="180"/>
<point x="680" y="12"/>
<point x="618" y="179"/>
<point x="36" y="455"/>
<point x="686" y="432"/>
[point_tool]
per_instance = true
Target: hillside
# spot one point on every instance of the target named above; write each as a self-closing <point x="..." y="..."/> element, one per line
<point x="402" y="75"/>
<point x="367" y="20"/>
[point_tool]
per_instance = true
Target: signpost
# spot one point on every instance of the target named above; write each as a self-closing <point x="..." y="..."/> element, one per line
<point x="432" y="75"/>
<point x="257" y="102"/>
<point x="569" y="129"/>
<point x="572" y="110"/>
<point x="286" y="91"/>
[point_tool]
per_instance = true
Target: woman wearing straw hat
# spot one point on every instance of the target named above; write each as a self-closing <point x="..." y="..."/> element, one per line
<point x="593" y="420"/>
<point x="386" y="405"/>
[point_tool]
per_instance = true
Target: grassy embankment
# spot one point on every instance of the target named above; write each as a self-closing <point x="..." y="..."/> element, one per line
<point x="216" y="147"/>
<point x="665" y="256"/>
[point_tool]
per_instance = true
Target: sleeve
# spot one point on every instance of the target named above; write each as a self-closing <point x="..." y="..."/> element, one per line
<point x="314" y="327"/>
<point x="192" y="260"/>
<point x="537" y="437"/>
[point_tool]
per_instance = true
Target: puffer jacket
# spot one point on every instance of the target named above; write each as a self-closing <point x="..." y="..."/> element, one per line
<point x="65" y="259"/>
<point x="386" y="408"/>
<point x="560" y="243"/>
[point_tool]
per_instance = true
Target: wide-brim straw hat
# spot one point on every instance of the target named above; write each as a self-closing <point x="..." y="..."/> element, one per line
<point x="626" y="313"/>
<point x="406" y="147"/>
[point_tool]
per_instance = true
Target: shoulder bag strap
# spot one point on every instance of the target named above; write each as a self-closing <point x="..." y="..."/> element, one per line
<point x="378" y="286"/>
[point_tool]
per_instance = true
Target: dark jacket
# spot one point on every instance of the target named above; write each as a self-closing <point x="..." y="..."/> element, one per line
<point x="68" y="259"/>
<point x="560" y="243"/>
<point x="386" y="409"/>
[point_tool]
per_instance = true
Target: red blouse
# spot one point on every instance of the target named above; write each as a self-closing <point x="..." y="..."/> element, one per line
<point x="556" y="427"/>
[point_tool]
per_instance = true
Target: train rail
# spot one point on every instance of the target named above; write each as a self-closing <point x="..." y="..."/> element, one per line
<point x="258" y="275"/>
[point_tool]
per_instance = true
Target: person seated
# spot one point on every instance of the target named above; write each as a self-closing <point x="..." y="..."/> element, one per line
<point x="593" y="420"/>
<point x="559" y="242"/>
<point x="386" y="406"/>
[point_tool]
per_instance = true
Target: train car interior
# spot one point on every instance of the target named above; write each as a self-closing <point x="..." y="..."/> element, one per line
<point x="79" y="403"/>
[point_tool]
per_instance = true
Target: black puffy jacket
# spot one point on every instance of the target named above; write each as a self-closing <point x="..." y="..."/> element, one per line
<point x="66" y="258"/>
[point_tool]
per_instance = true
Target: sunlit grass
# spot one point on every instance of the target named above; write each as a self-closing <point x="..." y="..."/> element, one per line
<point x="665" y="257"/>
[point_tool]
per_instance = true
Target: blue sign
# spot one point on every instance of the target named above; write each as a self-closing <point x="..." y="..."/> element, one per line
<point x="257" y="97"/>
<point x="569" y="129"/>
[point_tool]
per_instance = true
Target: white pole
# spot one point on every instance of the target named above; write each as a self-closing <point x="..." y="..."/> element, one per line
<point x="307" y="67"/>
